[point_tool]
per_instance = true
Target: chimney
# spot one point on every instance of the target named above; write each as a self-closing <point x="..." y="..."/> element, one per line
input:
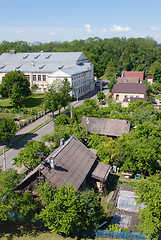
<point x="52" y="163"/>
<point x="61" y="141"/>
<point x="12" y="51"/>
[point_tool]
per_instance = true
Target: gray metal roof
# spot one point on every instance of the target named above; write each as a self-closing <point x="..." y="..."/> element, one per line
<point x="43" y="57"/>
<point x="44" y="62"/>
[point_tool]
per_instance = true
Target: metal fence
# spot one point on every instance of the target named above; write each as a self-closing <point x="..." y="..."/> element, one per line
<point x="114" y="235"/>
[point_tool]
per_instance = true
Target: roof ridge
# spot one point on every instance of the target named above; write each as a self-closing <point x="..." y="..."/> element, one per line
<point x="63" y="146"/>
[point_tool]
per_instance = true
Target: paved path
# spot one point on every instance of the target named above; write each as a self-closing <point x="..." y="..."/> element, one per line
<point x="20" y="133"/>
<point x="46" y="129"/>
<point x="11" y="153"/>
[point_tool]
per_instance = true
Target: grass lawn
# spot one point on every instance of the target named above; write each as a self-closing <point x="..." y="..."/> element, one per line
<point x="15" y="231"/>
<point x="32" y="102"/>
<point x="5" y="103"/>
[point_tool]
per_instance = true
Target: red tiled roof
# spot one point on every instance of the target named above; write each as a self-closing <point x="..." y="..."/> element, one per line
<point x="129" y="88"/>
<point x="135" y="74"/>
<point x="149" y="76"/>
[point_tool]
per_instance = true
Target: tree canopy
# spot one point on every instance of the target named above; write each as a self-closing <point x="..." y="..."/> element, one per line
<point x="149" y="192"/>
<point x="57" y="95"/>
<point x="7" y="129"/>
<point x="67" y="211"/>
<point x="33" y="153"/>
<point x="11" y="201"/>
<point x="110" y="56"/>
<point x="15" y="86"/>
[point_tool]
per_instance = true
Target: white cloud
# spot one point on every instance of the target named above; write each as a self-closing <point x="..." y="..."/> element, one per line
<point x="88" y="28"/>
<point x="19" y="31"/>
<point x="104" y="30"/>
<point x="52" y="34"/>
<point x="154" y="28"/>
<point x="120" y="29"/>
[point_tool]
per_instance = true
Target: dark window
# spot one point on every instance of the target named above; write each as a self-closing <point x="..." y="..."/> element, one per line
<point x="44" y="77"/>
<point x="39" y="77"/>
<point x="34" y="77"/>
<point x="28" y="77"/>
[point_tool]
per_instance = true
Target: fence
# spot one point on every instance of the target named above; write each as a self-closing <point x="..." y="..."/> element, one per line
<point x="97" y="233"/>
<point x="115" y="235"/>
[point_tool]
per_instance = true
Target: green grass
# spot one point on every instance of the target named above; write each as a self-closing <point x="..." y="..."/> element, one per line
<point x="5" y="103"/>
<point x="15" y="231"/>
<point x="32" y="102"/>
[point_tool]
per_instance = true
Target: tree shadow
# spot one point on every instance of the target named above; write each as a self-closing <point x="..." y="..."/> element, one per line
<point x="12" y="229"/>
<point x="22" y="140"/>
<point x="33" y="102"/>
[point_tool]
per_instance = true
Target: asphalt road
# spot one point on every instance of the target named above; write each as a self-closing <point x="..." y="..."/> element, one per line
<point x="47" y="129"/>
<point x="10" y="154"/>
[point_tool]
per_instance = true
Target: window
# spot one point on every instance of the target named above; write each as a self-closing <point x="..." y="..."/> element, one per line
<point x="44" y="77"/>
<point x="28" y="77"/>
<point x="39" y="77"/>
<point x="34" y="77"/>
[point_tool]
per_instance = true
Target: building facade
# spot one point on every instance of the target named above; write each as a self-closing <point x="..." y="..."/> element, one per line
<point x="44" y="68"/>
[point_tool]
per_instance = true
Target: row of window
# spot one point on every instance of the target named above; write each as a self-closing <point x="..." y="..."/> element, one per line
<point x="81" y="90"/>
<point x="126" y="96"/>
<point x="78" y="76"/>
<point x="37" y="77"/>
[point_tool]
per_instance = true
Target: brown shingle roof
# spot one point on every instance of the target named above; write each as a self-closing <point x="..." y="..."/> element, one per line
<point x="105" y="126"/>
<point x="100" y="171"/>
<point x="72" y="161"/>
<point x="129" y="88"/>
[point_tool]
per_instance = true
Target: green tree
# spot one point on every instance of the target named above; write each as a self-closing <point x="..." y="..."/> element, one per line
<point x="62" y="120"/>
<point x="100" y="96"/>
<point x="33" y="153"/>
<point x="15" y="86"/>
<point x="53" y="99"/>
<point x="7" y="129"/>
<point x="65" y="131"/>
<point x="34" y="87"/>
<point x="140" y="149"/>
<point x="63" y="213"/>
<point x="11" y="201"/>
<point x="8" y="180"/>
<point x="112" y="82"/>
<point x="157" y="75"/>
<point x="149" y="192"/>
<point x="67" y="210"/>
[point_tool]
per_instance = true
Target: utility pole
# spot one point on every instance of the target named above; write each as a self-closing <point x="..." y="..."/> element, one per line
<point x="77" y="94"/>
<point x="71" y="113"/>
<point x="44" y="113"/>
<point x="4" y="159"/>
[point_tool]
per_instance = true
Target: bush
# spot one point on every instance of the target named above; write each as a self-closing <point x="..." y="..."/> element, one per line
<point x="62" y="120"/>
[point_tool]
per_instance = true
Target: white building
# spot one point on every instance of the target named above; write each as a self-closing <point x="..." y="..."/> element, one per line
<point x="43" y="68"/>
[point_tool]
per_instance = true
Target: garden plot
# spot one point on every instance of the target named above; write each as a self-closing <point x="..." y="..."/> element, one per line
<point x="127" y="201"/>
<point x="122" y="220"/>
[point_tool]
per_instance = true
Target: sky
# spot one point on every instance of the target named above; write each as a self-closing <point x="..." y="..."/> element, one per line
<point x="68" y="20"/>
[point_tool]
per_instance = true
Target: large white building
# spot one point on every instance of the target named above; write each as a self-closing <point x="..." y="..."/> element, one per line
<point x="44" y="68"/>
